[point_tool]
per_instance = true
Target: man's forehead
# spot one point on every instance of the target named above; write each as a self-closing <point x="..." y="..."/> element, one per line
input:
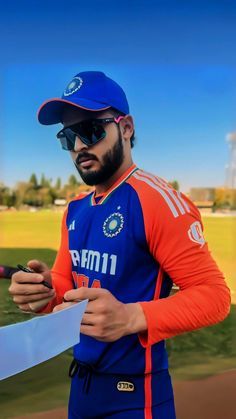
<point x="72" y="115"/>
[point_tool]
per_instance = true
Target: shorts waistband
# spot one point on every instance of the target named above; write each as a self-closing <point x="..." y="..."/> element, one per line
<point x="85" y="371"/>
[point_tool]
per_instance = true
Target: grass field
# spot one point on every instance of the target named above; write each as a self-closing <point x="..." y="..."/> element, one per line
<point x="27" y="235"/>
<point x="220" y="232"/>
<point x="41" y="230"/>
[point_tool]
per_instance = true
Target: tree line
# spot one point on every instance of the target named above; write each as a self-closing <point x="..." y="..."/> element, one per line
<point x="40" y="192"/>
<point x="43" y="192"/>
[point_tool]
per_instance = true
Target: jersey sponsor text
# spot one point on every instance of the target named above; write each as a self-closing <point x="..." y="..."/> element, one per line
<point x="94" y="261"/>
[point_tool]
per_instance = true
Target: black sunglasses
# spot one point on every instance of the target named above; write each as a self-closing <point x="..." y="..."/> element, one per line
<point x="90" y="132"/>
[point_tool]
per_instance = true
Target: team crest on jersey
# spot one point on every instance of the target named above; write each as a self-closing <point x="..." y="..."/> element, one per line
<point x="113" y="224"/>
<point x="195" y="233"/>
<point x="73" y="86"/>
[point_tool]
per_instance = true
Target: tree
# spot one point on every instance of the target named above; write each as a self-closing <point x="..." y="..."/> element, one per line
<point x="3" y="191"/>
<point x="44" y="182"/>
<point x="10" y="200"/>
<point x="20" y="191"/>
<point x="175" y="184"/>
<point x="7" y="196"/>
<point x="72" y="181"/>
<point x="225" y="198"/>
<point x="34" y="181"/>
<point x="58" y="184"/>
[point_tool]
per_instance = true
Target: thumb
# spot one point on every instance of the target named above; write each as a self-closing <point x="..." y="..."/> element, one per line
<point x="37" y="266"/>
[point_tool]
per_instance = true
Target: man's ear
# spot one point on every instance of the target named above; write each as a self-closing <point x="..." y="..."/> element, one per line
<point x="127" y="127"/>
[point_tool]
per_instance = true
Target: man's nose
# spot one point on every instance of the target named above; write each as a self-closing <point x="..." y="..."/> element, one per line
<point x="79" y="145"/>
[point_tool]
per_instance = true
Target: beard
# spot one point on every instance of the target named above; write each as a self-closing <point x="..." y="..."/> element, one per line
<point x="110" y="163"/>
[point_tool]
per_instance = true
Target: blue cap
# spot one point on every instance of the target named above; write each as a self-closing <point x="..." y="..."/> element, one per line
<point x="89" y="90"/>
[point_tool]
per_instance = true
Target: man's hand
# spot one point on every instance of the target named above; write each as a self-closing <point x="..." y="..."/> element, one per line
<point x="106" y="319"/>
<point x="26" y="288"/>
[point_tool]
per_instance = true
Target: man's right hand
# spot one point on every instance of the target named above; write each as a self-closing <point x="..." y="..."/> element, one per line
<point x="26" y="288"/>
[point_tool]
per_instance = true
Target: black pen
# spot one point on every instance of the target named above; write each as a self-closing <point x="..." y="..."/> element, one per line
<point x="25" y="269"/>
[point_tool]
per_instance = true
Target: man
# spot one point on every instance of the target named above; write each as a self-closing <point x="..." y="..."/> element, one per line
<point x="122" y="248"/>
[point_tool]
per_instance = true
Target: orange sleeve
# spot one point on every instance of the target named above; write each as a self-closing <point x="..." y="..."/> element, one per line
<point x="177" y="243"/>
<point x="61" y="270"/>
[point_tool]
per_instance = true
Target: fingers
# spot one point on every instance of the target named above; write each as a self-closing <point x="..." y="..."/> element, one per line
<point x="23" y="299"/>
<point x="35" y="306"/>
<point x="62" y="306"/>
<point x="25" y="307"/>
<point x="91" y="326"/>
<point x="26" y="284"/>
<point x="28" y="289"/>
<point x="88" y="319"/>
<point x="96" y="332"/>
<point x="41" y="268"/>
<point x="37" y="265"/>
<point x="84" y="293"/>
<point x="26" y="278"/>
<point x="87" y="330"/>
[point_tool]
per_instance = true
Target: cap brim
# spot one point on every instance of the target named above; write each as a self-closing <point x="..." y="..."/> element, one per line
<point x="52" y="110"/>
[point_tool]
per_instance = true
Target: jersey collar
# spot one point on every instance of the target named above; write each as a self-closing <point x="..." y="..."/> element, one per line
<point x="116" y="185"/>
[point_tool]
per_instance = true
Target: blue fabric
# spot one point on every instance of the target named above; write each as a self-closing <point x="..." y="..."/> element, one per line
<point x="91" y="90"/>
<point x="104" y="400"/>
<point x="132" y="277"/>
<point x="107" y="243"/>
<point x="165" y="410"/>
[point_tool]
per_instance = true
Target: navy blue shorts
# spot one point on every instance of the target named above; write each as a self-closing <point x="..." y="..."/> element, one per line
<point x="100" y="396"/>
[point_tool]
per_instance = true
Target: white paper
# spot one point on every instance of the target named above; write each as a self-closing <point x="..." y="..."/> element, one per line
<point x="23" y="345"/>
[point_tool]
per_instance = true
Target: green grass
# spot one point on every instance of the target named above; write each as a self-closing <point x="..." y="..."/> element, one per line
<point x="193" y="355"/>
<point x="220" y="232"/>
<point x="43" y="387"/>
<point x="9" y="313"/>
<point x="39" y="229"/>
<point x="42" y="230"/>
<point x="204" y="352"/>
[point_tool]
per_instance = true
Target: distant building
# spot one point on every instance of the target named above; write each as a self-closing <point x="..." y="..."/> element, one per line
<point x="203" y="197"/>
<point x="219" y="198"/>
<point x="231" y="167"/>
<point x="60" y="202"/>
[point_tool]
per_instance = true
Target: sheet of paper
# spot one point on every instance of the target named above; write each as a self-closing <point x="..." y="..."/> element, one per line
<point x="23" y="345"/>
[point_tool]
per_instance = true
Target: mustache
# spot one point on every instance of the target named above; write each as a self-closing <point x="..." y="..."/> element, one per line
<point x="85" y="155"/>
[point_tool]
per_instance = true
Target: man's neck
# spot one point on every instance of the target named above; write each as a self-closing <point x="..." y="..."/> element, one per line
<point x="103" y="187"/>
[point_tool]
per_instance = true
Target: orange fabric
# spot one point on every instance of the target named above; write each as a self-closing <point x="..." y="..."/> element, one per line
<point x="158" y="284"/>
<point x="148" y="361"/>
<point x="204" y="298"/>
<point x="61" y="270"/>
<point x="148" y="384"/>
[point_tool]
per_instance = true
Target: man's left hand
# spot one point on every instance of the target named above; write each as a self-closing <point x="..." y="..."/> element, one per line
<point x="106" y="319"/>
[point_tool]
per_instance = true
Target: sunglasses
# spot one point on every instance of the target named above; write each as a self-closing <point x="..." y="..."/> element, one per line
<point x="90" y="132"/>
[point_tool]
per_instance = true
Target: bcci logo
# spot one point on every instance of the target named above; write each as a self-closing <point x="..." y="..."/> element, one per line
<point x="113" y="224"/>
<point x="195" y="233"/>
<point x="73" y="86"/>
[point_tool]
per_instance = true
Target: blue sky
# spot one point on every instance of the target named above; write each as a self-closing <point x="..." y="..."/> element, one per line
<point x="175" y="60"/>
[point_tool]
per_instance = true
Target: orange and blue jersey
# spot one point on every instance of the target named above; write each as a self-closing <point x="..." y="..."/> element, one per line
<point x="136" y="240"/>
